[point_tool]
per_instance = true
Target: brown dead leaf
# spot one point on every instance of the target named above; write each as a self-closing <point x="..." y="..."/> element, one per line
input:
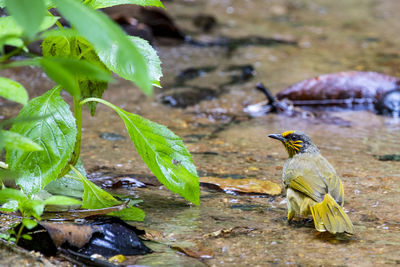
<point x="246" y="185"/>
<point x="197" y="251"/>
<point x="152" y="235"/>
<point x="77" y="235"/>
<point x="229" y="231"/>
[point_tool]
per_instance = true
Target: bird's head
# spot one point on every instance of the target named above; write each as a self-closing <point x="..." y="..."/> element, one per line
<point x="295" y="142"/>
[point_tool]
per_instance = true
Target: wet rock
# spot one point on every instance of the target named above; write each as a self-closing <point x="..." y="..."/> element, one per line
<point x="251" y="40"/>
<point x="123" y="182"/>
<point x="112" y="136"/>
<point x="389" y="157"/>
<point x="205" y="22"/>
<point x="247" y="207"/>
<point x="192" y="73"/>
<point x="389" y="103"/>
<point x="160" y="23"/>
<point x="352" y="89"/>
<point x="241" y="73"/>
<point x="187" y="96"/>
<point x="194" y="138"/>
<point x="139" y="29"/>
<point x="107" y="177"/>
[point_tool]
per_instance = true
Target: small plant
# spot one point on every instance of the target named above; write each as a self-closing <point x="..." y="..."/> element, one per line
<point x="44" y="141"/>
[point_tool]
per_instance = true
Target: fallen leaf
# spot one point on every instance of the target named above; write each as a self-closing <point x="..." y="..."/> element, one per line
<point x="229" y="231"/>
<point x="246" y="185"/>
<point x="152" y="235"/>
<point x="197" y="251"/>
<point x="105" y="236"/>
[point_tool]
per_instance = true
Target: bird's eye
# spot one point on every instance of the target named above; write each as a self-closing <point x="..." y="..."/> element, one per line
<point x="295" y="138"/>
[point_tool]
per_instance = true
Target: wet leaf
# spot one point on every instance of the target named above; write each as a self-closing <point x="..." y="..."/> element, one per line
<point x="129" y="214"/>
<point x="67" y="72"/>
<point x="104" y="236"/>
<point x="197" y="251"/>
<point x="9" y="206"/>
<point x="152" y="235"/>
<point x="62" y="200"/>
<point x="56" y="46"/>
<point x="90" y="86"/>
<point x="16" y="141"/>
<point x="8" y="27"/>
<point x="7" y="194"/>
<point x="29" y="14"/>
<point x="107" y="3"/>
<point x="152" y="60"/>
<point x="114" y="48"/>
<point x="74" y="214"/>
<point x="163" y="152"/>
<point x="246" y="185"/>
<point x="229" y="231"/>
<point x="13" y="90"/>
<point x="94" y="197"/>
<point x="32" y="208"/>
<point x="55" y="132"/>
<point x="67" y="186"/>
<point x="28" y="223"/>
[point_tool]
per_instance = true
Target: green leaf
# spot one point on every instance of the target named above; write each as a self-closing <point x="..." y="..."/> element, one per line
<point x="152" y="60"/>
<point x="62" y="200"/>
<point x="67" y="186"/>
<point x="7" y="194"/>
<point x="26" y="236"/>
<point x="29" y="14"/>
<point x="9" y="206"/>
<point x="94" y="197"/>
<point x="32" y="208"/>
<point x="124" y="57"/>
<point x="56" y="46"/>
<point x="68" y="44"/>
<point x="13" y="90"/>
<point x="163" y="152"/>
<point x="90" y="87"/>
<point x="16" y="141"/>
<point x="107" y="3"/>
<point x="28" y="223"/>
<point x="129" y="214"/>
<point x="8" y="27"/>
<point x="47" y="2"/>
<point x="81" y="68"/>
<point x="55" y="132"/>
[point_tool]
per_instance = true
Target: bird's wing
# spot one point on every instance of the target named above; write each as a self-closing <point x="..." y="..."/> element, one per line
<point x="307" y="174"/>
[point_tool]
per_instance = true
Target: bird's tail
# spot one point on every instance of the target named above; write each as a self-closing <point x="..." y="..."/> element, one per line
<point x="330" y="216"/>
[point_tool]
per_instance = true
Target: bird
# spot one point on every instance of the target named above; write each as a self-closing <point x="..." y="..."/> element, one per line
<point x="312" y="185"/>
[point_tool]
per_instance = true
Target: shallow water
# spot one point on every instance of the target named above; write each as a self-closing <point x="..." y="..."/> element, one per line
<point x="339" y="36"/>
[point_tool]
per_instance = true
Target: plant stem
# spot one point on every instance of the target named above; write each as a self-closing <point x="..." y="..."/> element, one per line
<point x="12" y="53"/>
<point x="19" y="232"/>
<point x="77" y="147"/>
<point x="95" y="99"/>
<point x="59" y="25"/>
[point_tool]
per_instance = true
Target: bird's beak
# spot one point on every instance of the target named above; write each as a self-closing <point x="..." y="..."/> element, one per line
<point x="277" y="137"/>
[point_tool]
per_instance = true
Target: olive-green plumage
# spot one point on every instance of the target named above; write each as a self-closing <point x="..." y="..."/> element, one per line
<point x="312" y="185"/>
